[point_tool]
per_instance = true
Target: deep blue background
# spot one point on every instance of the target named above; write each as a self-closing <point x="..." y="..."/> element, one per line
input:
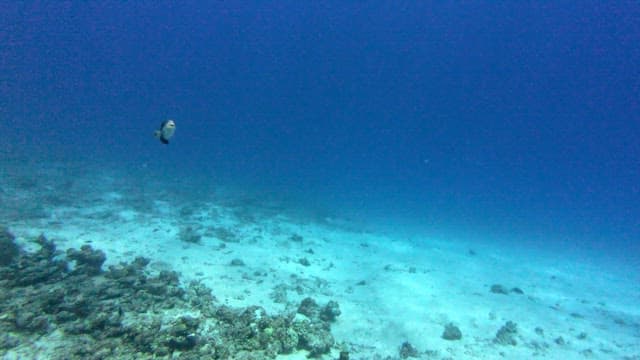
<point x="510" y="120"/>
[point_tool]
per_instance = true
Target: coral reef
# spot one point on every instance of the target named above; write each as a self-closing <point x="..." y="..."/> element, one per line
<point x="125" y="313"/>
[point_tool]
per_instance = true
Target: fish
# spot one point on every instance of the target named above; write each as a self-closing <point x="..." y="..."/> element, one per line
<point x="166" y="131"/>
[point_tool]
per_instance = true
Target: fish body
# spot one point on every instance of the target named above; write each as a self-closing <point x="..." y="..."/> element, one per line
<point x="166" y="131"/>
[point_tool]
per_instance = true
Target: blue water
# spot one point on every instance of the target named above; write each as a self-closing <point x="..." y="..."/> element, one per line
<point x="515" y="122"/>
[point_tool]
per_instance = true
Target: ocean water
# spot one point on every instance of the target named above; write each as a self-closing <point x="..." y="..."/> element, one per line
<point x="508" y="126"/>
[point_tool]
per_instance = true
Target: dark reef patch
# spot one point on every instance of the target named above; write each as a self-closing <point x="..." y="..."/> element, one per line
<point x="451" y="332"/>
<point x="125" y="313"/>
<point x="507" y="334"/>
<point x="407" y="350"/>
<point x="8" y="247"/>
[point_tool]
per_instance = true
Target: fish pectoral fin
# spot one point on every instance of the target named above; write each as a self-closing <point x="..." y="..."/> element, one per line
<point x="157" y="133"/>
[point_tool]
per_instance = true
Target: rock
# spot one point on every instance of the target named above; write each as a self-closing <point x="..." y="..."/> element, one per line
<point x="451" y="332"/>
<point x="237" y="262"/>
<point x="35" y="268"/>
<point x="226" y="235"/>
<point x="517" y="290"/>
<point x="507" y="334"/>
<point x="407" y="350"/>
<point x="314" y="337"/>
<point x="8" y="249"/>
<point x="156" y="287"/>
<point x="9" y="341"/>
<point x="182" y="333"/>
<point x="309" y="308"/>
<point x="28" y="321"/>
<point x="279" y="294"/>
<point x="169" y="277"/>
<point x="88" y="261"/>
<point x="47" y="248"/>
<point x="330" y="311"/>
<point x="190" y="235"/>
<point x="304" y="261"/>
<point x="288" y="339"/>
<point x="140" y="262"/>
<point x="499" y="289"/>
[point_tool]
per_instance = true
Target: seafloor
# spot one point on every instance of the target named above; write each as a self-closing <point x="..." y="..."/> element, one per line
<point x="99" y="263"/>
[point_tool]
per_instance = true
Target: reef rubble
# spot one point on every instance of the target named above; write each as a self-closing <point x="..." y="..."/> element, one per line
<point x="66" y="299"/>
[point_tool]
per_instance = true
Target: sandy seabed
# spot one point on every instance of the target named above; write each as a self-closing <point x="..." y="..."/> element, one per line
<point x="399" y="296"/>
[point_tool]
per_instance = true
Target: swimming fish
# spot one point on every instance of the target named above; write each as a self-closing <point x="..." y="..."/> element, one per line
<point x="167" y="128"/>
